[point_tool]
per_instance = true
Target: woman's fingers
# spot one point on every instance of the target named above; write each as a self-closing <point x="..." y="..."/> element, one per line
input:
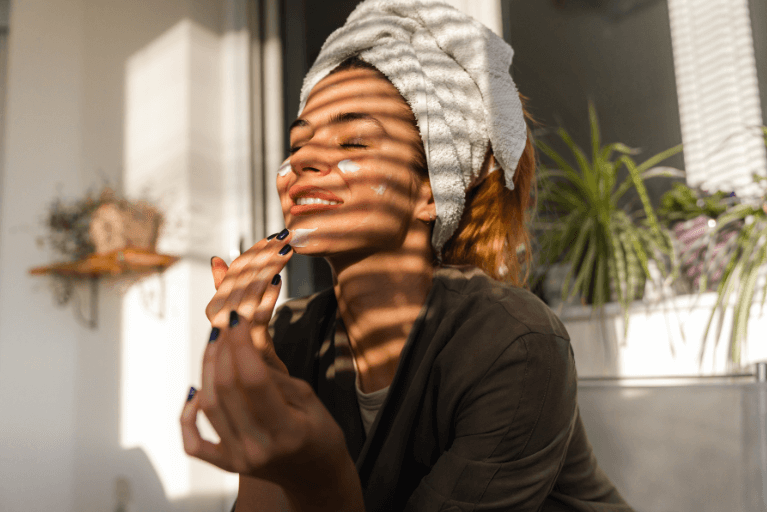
<point x="194" y="444"/>
<point x="218" y="373"/>
<point x="256" y="277"/>
<point x="247" y="279"/>
<point x="218" y="267"/>
<point x="257" y="380"/>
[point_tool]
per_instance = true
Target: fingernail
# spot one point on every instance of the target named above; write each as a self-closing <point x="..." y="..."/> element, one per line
<point x="214" y="334"/>
<point x="271" y="236"/>
<point x="211" y="260"/>
<point x="192" y="392"/>
<point x="285" y="250"/>
<point x="234" y="319"/>
<point x="276" y="279"/>
<point x="283" y="234"/>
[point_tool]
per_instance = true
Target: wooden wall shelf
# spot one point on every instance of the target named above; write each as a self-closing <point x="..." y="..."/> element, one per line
<point x="123" y="261"/>
<point x="128" y="261"/>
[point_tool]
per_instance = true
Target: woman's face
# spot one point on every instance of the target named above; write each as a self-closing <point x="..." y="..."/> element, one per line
<point x="349" y="184"/>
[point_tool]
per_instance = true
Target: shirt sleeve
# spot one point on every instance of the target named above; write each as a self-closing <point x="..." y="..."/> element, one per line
<point x="512" y="430"/>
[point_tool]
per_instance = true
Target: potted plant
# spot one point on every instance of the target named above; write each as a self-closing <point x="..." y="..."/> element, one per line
<point x="582" y="221"/>
<point x="101" y="225"/>
<point x="744" y="261"/>
<point x="691" y="213"/>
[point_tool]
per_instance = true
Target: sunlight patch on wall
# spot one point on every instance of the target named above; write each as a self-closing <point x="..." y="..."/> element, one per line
<point x="718" y="91"/>
<point x="174" y="157"/>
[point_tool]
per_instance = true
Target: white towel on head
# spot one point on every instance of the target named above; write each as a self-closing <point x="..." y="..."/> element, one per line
<point x="454" y="73"/>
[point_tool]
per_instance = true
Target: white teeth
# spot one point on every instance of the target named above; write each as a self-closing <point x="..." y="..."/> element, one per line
<point x="313" y="200"/>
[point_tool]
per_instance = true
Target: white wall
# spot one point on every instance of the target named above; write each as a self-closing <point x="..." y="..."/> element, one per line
<point x="63" y="391"/>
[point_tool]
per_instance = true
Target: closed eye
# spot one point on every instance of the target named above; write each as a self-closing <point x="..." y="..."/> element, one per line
<point x="353" y="145"/>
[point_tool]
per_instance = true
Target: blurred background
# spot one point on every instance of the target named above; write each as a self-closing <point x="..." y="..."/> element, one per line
<point x="180" y="107"/>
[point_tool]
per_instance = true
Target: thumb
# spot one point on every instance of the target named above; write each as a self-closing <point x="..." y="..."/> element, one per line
<point x="262" y="340"/>
<point x="218" y="267"/>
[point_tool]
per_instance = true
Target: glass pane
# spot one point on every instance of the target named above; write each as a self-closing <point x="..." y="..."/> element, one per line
<point x="616" y="54"/>
<point x="758" y="10"/>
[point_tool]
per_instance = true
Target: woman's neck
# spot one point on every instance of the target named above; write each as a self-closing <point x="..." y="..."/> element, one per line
<point x="379" y="298"/>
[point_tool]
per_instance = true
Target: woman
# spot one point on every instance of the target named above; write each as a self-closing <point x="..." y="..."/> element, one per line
<point x="424" y="379"/>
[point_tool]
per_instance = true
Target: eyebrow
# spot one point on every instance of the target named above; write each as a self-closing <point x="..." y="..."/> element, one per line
<point x="341" y="118"/>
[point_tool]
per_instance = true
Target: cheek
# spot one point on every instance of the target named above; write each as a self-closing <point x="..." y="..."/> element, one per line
<point x="283" y="184"/>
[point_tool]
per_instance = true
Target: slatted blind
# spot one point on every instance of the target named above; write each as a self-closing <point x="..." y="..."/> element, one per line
<point x="718" y="93"/>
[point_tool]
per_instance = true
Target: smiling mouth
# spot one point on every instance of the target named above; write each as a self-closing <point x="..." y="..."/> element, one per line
<point x="309" y="205"/>
<point x="301" y="201"/>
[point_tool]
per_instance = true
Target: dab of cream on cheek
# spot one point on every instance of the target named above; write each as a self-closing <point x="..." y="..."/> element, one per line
<point x="284" y="168"/>
<point x="301" y="236"/>
<point x="379" y="189"/>
<point x="348" y="166"/>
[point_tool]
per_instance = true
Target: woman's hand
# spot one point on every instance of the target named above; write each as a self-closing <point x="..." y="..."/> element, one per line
<point x="271" y="426"/>
<point x="251" y="286"/>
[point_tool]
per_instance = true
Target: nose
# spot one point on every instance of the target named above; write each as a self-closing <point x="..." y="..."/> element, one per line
<point x="312" y="157"/>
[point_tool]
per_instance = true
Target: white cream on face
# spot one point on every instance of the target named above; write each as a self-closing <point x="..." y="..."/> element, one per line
<point x="380" y="189"/>
<point x="284" y="168"/>
<point x="348" y="166"/>
<point x="300" y="237"/>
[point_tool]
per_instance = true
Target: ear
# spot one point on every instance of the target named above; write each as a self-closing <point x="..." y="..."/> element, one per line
<point x="426" y="209"/>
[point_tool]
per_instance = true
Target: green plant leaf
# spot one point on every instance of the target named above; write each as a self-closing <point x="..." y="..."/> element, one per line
<point x="587" y="172"/>
<point x="583" y="278"/>
<point x="658" y="158"/>
<point x="595" y="136"/>
<point x="646" y="167"/>
<point x="663" y="172"/>
<point x="745" y="299"/>
<point x="639" y="185"/>
<point x="574" y="255"/>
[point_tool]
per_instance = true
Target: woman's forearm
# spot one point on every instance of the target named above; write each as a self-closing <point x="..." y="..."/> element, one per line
<point x="256" y="495"/>
<point x="340" y="492"/>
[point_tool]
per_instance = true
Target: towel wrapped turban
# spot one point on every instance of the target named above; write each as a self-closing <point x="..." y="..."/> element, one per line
<point x="454" y="73"/>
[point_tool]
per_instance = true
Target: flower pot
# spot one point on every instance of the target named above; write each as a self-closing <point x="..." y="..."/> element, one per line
<point x="115" y="226"/>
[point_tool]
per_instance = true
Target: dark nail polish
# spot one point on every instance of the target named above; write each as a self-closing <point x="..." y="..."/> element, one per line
<point x="271" y="236"/>
<point x="283" y="234"/>
<point x="276" y="279"/>
<point x="192" y="392"/>
<point x="234" y="319"/>
<point x="285" y="250"/>
<point x="211" y="260"/>
<point x="214" y="334"/>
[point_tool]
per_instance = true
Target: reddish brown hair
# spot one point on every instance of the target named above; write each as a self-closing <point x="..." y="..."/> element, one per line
<point x="493" y="233"/>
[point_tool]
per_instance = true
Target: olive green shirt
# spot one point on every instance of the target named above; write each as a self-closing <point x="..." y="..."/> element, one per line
<point x="482" y="413"/>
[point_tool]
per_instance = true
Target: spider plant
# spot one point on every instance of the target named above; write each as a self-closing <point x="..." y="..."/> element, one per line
<point x="746" y="260"/>
<point x="582" y="221"/>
